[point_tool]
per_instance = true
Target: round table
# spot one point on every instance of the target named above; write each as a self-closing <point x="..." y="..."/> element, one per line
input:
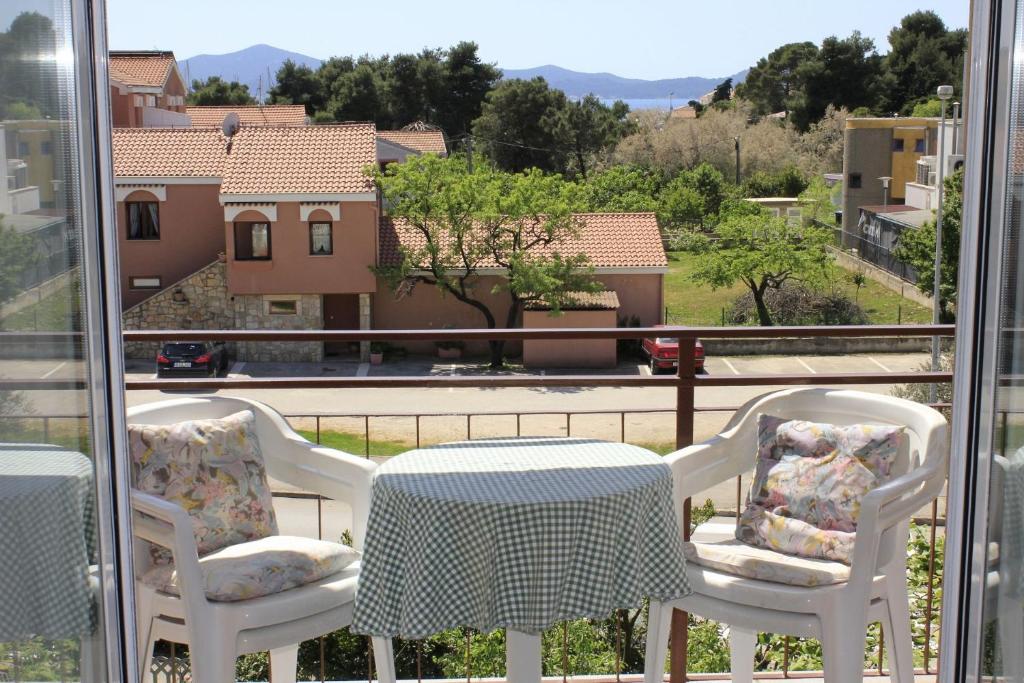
<point x="519" y="534"/>
<point x="47" y="540"/>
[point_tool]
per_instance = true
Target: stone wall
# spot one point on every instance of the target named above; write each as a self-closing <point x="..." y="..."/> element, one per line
<point x="201" y="301"/>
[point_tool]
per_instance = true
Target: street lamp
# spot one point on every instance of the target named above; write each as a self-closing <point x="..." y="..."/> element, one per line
<point x="945" y="93"/>
<point x="885" y="191"/>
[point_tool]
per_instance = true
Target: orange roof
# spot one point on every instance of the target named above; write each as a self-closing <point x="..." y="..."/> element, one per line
<point x="252" y="115"/>
<point x="262" y="159"/>
<point x="419" y="140"/>
<point x="301" y="159"/>
<point x="582" y="301"/>
<point x="169" y="152"/>
<point x="610" y="240"/>
<point x="149" y="69"/>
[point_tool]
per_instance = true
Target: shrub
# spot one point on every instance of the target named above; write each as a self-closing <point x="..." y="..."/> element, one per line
<point x="797" y="305"/>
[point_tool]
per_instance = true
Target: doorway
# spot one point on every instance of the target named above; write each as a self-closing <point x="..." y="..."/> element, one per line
<point x="341" y="312"/>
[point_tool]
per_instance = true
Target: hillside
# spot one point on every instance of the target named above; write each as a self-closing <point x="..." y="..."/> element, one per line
<point x="609" y="86"/>
<point x="245" y="66"/>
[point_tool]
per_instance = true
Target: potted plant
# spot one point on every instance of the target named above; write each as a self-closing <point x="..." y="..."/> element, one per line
<point x="376" y="353"/>
<point x="450" y="348"/>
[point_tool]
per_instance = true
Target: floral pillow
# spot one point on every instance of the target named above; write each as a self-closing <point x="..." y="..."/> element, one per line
<point x="809" y="482"/>
<point x="212" y="468"/>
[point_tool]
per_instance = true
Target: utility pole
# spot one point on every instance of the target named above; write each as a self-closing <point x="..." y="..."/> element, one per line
<point x="469" y="153"/>
<point x="737" y="139"/>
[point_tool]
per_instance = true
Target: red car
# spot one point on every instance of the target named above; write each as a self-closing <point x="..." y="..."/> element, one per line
<point x="663" y="354"/>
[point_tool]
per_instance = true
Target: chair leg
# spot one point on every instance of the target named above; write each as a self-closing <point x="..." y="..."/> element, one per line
<point x="741" y="654"/>
<point x="842" y="649"/>
<point x="1010" y="622"/>
<point x="212" y="659"/>
<point x="897" y="631"/>
<point x="283" y="663"/>
<point x="384" y="659"/>
<point x="659" y="623"/>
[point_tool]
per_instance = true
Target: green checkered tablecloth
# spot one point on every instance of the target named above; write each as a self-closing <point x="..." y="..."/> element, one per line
<point x="47" y="537"/>
<point x="516" y="533"/>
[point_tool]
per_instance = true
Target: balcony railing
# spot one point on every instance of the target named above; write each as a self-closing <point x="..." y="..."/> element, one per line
<point x="685" y="383"/>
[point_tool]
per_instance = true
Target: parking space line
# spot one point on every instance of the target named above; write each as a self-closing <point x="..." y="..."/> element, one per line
<point x="878" y="363"/>
<point x="236" y="367"/>
<point x="806" y="366"/>
<point x="645" y="369"/>
<point x="50" y="373"/>
<point x="451" y="373"/>
<point x="363" y="370"/>
<point x="730" y="366"/>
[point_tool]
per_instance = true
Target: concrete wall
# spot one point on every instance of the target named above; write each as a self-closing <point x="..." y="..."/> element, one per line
<point x="642" y="295"/>
<point x="592" y="353"/>
<point x="867" y="152"/>
<point x="883" y="277"/>
<point x="816" y="346"/>
<point x="206" y="304"/>
<point x="191" y="235"/>
<point x="292" y="269"/>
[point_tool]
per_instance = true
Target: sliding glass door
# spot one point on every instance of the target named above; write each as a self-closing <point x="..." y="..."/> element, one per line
<point x="63" y="600"/>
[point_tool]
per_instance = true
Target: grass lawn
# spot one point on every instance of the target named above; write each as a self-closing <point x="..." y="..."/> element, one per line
<point x="355" y="443"/>
<point x="693" y="304"/>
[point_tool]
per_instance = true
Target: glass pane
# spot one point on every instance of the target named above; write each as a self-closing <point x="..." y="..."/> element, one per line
<point x="51" y="614"/>
<point x="260" y="240"/>
<point x="1003" y="648"/>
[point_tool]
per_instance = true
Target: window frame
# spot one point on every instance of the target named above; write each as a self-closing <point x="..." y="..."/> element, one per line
<point x="128" y="221"/>
<point x="292" y="303"/>
<point x="330" y="238"/>
<point x="855" y="181"/>
<point x="250" y="225"/>
<point x="133" y="278"/>
<point x="899" y="145"/>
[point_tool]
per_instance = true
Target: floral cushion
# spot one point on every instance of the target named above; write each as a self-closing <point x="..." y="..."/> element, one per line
<point x="809" y="482"/>
<point x="257" y="568"/>
<point x="212" y="468"/>
<point x="739" y="559"/>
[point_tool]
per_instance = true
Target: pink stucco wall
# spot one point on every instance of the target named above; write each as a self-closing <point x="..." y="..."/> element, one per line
<point x="580" y="353"/>
<point x="191" y="235"/>
<point x="292" y="269"/>
<point x="426" y="308"/>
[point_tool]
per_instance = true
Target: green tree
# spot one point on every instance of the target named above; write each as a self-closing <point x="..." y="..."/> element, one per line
<point x="924" y="55"/>
<point x="18" y="253"/>
<point x="519" y="126"/>
<point x="215" y="91"/>
<point x="772" y="83"/>
<point x="465" y="80"/>
<point x="28" y="72"/>
<point x="927" y="108"/>
<point x="680" y="206"/>
<point x="845" y="73"/>
<point x="298" y="84"/>
<point x="789" y="182"/>
<point x="722" y="92"/>
<point x="407" y="90"/>
<point x="622" y="187"/>
<point x="764" y="252"/>
<point x="917" y="248"/>
<point x="816" y="205"/>
<point x="587" y="127"/>
<point x="710" y="184"/>
<point x="465" y="222"/>
<point x="357" y="95"/>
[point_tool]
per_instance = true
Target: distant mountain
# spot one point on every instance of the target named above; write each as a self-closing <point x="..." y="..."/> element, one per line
<point x="262" y="61"/>
<point x="246" y="66"/>
<point x="609" y="86"/>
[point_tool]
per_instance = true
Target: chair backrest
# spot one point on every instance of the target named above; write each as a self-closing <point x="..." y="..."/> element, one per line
<point x="926" y="444"/>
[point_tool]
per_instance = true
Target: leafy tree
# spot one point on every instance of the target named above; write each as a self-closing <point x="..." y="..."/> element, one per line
<point x="917" y="247"/>
<point x="820" y="149"/>
<point x="588" y="126"/>
<point x="465" y="80"/>
<point x="22" y="111"/>
<point x="18" y="253"/>
<point x="772" y="83"/>
<point x="28" y="74"/>
<point x="924" y="55"/>
<point x="357" y="95"/>
<point x="722" y="92"/>
<point x="710" y="184"/>
<point x="215" y="91"/>
<point x="407" y="91"/>
<point x="927" y="108"/>
<point x="622" y="188"/>
<point x="519" y="126"/>
<point x="764" y="252"/>
<point x="298" y="84"/>
<point x="789" y="182"/>
<point x="680" y="206"/>
<point x="465" y="222"/>
<point x="816" y="205"/>
<point x="845" y="73"/>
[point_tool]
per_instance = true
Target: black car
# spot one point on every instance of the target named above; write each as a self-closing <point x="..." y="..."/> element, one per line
<point x="192" y="358"/>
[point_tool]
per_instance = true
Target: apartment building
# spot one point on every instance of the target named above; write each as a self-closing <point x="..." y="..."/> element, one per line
<point x="146" y="89"/>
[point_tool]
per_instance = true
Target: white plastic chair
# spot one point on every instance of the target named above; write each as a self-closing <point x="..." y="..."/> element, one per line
<point x="837" y="614"/>
<point x="217" y="632"/>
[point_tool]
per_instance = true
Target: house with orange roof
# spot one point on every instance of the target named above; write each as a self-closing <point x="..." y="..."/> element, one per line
<point x="279" y="227"/>
<point x="249" y="115"/>
<point x="396" y="145"/>
<point x="146" y="89"/>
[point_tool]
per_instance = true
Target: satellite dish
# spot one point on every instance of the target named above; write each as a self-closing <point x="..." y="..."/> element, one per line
<point x="230" y="125"/>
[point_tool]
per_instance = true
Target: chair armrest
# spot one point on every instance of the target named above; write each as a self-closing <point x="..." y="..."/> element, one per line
<point x="167" y="525"/>
<point x="887" y="506"/>
<point x="333" y="474"/>
<point x="698" y="467"/>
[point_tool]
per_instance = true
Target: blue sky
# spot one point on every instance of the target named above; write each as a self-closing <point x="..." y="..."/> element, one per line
<point x="641" y="39"/>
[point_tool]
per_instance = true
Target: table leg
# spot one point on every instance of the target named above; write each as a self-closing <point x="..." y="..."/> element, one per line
<point x="522" y="657"/>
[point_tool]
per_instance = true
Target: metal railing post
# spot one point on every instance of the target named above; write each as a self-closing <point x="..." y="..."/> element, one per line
<point x="684" y="437"/>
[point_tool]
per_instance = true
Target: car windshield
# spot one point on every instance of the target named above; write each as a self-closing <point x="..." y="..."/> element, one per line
<point x="668" y="340"/>
<point x="183" y="349"/>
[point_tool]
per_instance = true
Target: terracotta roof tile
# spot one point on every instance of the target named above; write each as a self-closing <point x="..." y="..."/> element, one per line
<point x="169" y="152"/>
<point x="141" y="68"/>
<point x="583" y="301"/>
<point x="610" y="240"/>
<point x="254" y="115"/>
<point x="419" y="140"/>
<point x="301" y="159"/>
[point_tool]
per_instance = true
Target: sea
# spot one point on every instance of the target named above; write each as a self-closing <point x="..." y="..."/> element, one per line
<point x="661" y="103"/>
